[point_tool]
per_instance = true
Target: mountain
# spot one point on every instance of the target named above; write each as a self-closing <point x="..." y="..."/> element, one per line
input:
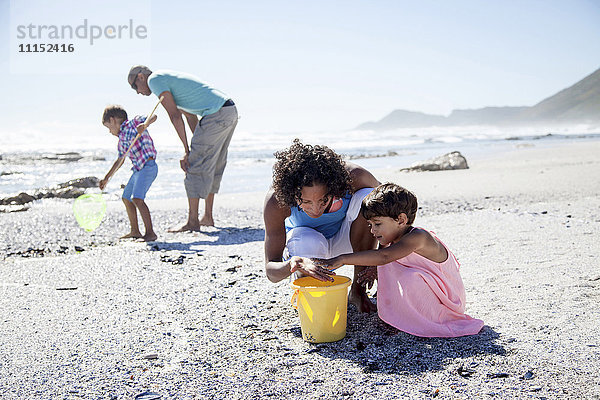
<point x="579" y="104"/>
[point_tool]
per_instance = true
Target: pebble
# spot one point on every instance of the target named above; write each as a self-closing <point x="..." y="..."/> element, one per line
<point x="465" y="372"/>
<point x="151" y="356"/>
<point x="148" y="396"/>
<point x="498" y="375"/>
<point x="528" y="375"/>
<point x="371" y="366"/>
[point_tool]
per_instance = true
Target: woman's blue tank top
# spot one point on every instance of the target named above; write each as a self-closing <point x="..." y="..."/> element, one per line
<point x="327" y="224"/>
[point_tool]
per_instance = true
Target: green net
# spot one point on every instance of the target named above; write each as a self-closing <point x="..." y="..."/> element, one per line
<point x="89" y="209"/>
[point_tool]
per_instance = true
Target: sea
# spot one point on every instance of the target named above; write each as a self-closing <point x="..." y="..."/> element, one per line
<point x="47" y="161"/>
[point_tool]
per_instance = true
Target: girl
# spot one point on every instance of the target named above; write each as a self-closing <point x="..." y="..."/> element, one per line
<point x="419" y="288"/>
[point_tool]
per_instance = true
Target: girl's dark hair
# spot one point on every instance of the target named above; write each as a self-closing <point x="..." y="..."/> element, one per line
<point x="390" y="200"/>
<point x="114" y="111"/>
<point x="305" y="165"/>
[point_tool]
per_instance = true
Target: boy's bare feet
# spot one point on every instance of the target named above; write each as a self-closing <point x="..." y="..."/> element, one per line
<point x="132" y="235"/>
<point x="186" y="228"/>
<point x="358" y="296"/>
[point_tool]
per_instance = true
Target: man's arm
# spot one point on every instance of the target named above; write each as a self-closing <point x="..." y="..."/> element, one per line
<point x="177" y="121"/>
<point x="192" y="120"/>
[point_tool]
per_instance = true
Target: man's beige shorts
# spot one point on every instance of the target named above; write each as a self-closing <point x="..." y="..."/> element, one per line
<point x="208" y="152"/>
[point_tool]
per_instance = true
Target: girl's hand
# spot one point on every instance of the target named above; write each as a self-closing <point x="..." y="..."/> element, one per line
<point x="141" y="128"/>
<point x="308" y="267"/>
<point x="367" y="277"/>
<point x="330" y="264"/>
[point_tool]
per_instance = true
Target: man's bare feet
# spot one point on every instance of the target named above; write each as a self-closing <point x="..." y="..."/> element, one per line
<point x="132" y="235"/>
<point x="149" y="237"/>
<point x="358" y="296"/>
<point x="186" y="228"/>
<point x="207" y="221"/>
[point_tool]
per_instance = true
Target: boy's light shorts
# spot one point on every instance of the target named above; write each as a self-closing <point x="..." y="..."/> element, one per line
<point x="140" y="181"/>
<point x="307" y="242"/>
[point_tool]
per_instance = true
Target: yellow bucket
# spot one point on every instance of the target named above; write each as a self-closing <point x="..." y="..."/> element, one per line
<point x="322" y="306"/>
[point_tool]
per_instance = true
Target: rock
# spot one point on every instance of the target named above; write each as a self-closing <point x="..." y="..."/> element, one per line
<point x="528" y="375"/>
<point x="465" y="372"/>
<point x="13" y="208"/>
<point x="65" y="157"/>
<point x="87" y="182"/>
<point x="448" y="161"/>
<point x="151" y="356"/>
<point x="66" y="190"/>
<point x="148" y="396"/>
<point x="389" y="153"/>
<point x="371" y="366"/>
<point x="61" y="193"/>
<point x="19" y="199"/>
<point x="498" y="375"/>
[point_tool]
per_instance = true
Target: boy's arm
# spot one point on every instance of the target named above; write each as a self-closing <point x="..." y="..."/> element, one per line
<point x="117" y="164"/>
<point x="143" y="126"/>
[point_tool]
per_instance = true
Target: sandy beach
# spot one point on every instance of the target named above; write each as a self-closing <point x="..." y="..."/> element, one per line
<point x="193" y="316"/>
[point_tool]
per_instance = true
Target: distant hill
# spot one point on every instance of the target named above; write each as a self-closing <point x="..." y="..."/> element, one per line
<point x="579" y="104"/>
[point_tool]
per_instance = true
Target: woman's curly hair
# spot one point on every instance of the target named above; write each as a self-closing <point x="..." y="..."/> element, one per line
<point x="304" y="165"/>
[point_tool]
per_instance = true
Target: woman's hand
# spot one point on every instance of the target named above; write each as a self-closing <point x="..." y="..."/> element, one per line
<point x="141" y="128"/>
<point x="308" y="267"/>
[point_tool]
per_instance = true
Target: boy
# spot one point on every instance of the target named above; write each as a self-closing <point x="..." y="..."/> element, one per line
<point x="142" y="154"/>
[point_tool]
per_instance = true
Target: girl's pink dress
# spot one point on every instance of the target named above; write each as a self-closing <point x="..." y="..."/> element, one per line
<point x="424" y="298"/>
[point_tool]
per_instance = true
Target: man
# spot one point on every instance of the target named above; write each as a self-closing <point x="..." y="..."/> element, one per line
<point x="205" y="159"/>
<point x="313" y="211"/>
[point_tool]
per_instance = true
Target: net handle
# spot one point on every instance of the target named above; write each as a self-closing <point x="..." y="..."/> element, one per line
<point x="139" y="134"/>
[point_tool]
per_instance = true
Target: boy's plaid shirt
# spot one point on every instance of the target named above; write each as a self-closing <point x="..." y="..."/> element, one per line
<point x="142" y="150"/>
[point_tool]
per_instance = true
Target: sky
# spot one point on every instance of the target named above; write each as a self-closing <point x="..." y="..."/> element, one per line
<point x="294" y="67"/>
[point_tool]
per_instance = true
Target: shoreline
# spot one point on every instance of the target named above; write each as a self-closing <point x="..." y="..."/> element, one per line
<point x="192" y="315"/>
<point x="253" y="171"/>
